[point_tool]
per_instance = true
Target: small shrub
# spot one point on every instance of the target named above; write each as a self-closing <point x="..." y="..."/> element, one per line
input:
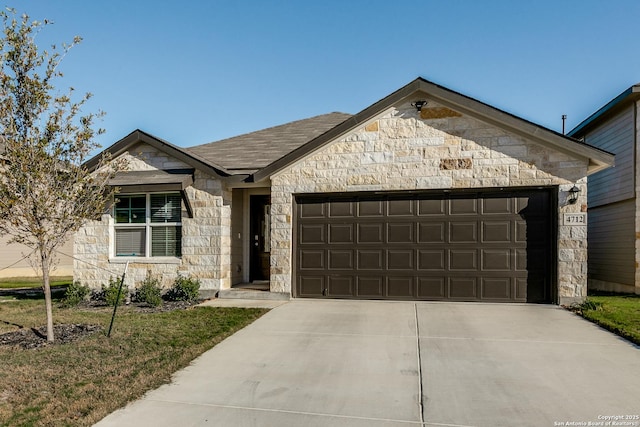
<point x="183" y="289"/>
<point x="590" y="304"/>
<point x="109" y="293"/>
<point x="76" y="292"/>
<point x="149" y="292"/>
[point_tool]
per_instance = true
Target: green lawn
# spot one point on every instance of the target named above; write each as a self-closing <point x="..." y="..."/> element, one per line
<point x="618" y="313"/>
<point x="79" y="383"/>
<point x="32" y="282"/>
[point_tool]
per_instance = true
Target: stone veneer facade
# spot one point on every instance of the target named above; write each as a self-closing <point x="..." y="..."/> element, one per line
<point x="401" y="149"/>
<point x="206" y="238"/>
<point x="437" y="148"/>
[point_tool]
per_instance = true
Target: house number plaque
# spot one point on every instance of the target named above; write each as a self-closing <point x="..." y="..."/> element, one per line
<point x="575" y="219"/>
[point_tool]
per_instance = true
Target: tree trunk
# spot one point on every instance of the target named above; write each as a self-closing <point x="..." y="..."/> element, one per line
<point x="44" y="258"/>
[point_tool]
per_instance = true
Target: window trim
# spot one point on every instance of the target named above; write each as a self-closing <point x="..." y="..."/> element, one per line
<point x="148" y="226"/>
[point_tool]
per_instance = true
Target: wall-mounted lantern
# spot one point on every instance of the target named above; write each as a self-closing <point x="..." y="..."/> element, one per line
<point x="573" y="195"/>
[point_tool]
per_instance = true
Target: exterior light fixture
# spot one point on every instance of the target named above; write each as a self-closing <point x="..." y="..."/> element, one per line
<point x="419" y="105"/>
<point x="573" y="195"/>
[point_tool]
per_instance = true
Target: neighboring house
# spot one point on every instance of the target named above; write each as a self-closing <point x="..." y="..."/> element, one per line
<point x="614" y="205"/>
<point x="426" y="194"/>
<point x="12" y="256"/>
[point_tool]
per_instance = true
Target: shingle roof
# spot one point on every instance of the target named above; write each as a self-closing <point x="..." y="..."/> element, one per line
<point x="256" y="150"/>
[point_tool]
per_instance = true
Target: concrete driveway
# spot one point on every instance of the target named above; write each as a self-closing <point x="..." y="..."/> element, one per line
<point x="364" y="363"/>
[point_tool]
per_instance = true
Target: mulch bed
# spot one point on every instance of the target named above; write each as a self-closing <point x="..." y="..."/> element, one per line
<point x="30" y="338"/>
<point x="34" y="338"/>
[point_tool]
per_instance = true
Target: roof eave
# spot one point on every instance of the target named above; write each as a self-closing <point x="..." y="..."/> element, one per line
<point x="630" y="94"/>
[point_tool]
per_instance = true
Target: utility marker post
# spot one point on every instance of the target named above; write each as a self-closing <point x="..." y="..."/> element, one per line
<point x="115" y="306"/>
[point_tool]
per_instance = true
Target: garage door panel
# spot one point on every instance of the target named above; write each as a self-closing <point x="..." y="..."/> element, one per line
<point x="462" y="288"/>
<point x="400" y="232"/>
<point x="431" y="207"/>
<point x="399" y="259"/>
<point x="496" y="288"/>
<point x="400" y="207"/>
<point x="535" y="204"/>
<point x="400" y="287"/>
<point x="521" y="260"/>
<point x="496" y="232"/>
<point x="340" y="209"/>
<point x="340" y="286"/>
<point x="340" y="259"/>
<point x="463" y="232"/>
<point x="370" y="259"/>
<point x="431" y="232"/>
<point x="371" y="208"/>
<point x="521" y="288"/>
<point x="433" y="260"/>
<point x="370" y="287"/>
<point x="521" y="231"/>
<point x="463" y="206"/>
<point x="370" y="233"/>
<point x="496" y="206"/>
<point x="496" y="259"/>
<point x="340" y="233"/>
<point x="463" y="259"/>
<point x="431" y="288"/>
<point x="471" y="247"/>
<point x="311" y="210"/>
<point x="312" y="259"/>
<point x="311" y="286"/>
<point x="311" y="234"/>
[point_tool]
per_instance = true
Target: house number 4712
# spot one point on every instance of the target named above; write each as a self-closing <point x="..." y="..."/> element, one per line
<point x="575" y="219"/>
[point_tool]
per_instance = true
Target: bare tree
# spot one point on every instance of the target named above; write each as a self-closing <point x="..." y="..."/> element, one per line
<point x="45" y="192"/>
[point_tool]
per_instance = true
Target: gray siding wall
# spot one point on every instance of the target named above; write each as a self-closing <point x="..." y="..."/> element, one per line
<point x="237" y="208"/>
<point x="611" y="243"/>
<point x="616" y="135"/>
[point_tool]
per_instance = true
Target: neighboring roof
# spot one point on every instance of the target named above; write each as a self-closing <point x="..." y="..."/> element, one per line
<point x="138" y="136"/>
<point x="421" y="88"/>
<point x="630" y="94"/>
<point x="255" y="150"/>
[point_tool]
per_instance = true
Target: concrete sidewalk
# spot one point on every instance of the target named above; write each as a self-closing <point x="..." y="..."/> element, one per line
<point x="365" y="363"/>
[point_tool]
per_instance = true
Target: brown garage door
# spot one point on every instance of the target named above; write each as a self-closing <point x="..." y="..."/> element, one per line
<point x="464" y="246"/>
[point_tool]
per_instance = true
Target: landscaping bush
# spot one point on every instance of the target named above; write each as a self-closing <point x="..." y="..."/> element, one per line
<point x="590" y="304"/>
<point x="149" y="292"/>
<point x="76" y="292"/>
<point x="109" y="293"/>
<point x="183" y="289"/>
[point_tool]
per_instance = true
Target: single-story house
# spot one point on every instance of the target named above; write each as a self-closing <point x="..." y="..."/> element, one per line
<point x="425" y="195"/>
<point x="15" y="260"/>
<point x="14" y="264"/>
<point x="614" y="210"/>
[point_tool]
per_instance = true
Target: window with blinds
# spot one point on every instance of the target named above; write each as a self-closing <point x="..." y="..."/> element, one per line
<point x="148" y="224"/>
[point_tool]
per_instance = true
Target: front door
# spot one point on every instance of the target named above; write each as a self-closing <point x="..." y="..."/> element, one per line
<point x="260" y="211"/>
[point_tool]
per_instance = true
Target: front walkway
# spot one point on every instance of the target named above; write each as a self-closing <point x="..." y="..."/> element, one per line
<point x="358" y="363"/>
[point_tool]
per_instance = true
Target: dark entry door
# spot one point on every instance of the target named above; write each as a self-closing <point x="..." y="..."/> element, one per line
<point x="463" y="246"/>
<point x="260" y="211"/>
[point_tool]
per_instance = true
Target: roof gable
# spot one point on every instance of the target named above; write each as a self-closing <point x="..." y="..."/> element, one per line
<point x="181" y="154"/>
<point x="424" y="89"/>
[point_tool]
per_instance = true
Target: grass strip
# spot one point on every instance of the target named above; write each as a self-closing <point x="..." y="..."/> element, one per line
<point x="79" y="383"/>
<point x="32" y="282"/>
<point x="619" y="314"/>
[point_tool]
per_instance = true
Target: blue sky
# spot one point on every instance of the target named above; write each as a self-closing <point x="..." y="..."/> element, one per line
<point x="193" y="72"/>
